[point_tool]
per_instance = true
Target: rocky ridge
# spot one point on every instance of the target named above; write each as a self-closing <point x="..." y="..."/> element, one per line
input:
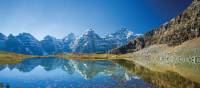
<point x="184" y="27"/>
<point x="87" y="42"/>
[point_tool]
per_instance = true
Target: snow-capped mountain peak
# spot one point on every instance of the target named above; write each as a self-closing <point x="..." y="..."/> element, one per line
<point x="87" y="42"/>
<point x="2" y="37"/>
<point x="70" y="37"/>
<point x="48" y="37"/>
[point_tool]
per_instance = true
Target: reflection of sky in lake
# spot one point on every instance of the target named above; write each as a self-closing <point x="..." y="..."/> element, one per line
<point x="54" y="73"/>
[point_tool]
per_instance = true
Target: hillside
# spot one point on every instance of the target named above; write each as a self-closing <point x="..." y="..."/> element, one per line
<point x="184" y="27"/>
<point x="187" y="50"/>
<point x="182" y="58"/>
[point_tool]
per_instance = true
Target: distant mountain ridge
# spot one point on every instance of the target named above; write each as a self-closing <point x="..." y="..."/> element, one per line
<point x="87" y="42"/>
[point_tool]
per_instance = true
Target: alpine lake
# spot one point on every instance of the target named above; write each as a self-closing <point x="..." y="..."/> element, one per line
<point x="66" y="73"/>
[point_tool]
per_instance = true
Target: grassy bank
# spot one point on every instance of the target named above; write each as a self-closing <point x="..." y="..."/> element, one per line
<point x="91" y="56"/>
<point x="13" y="58"/>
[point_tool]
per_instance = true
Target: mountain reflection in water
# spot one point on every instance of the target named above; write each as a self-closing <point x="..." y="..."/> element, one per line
<point x="60" y="73"/>
<point x="166" y="79"/>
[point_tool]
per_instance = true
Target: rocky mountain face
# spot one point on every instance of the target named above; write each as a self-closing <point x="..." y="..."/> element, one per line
<point x="30" y="44"/>
<point x="2" y="40"/>
<point x="13" y="44"/>
<point x="184" y="27"/>
<point x="132" y="46"/>
<point x="24" y="43"/>
<point x="52" y="45"/>
<point x="68" y="42"/>
<point x="121" y="37"/>
<point x="88" y="42"/>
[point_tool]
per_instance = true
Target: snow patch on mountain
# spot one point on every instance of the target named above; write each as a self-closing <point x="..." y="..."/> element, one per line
<point x="87" y="42"/>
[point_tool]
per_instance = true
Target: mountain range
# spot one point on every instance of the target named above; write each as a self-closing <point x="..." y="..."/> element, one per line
<point x="87" y="42"/>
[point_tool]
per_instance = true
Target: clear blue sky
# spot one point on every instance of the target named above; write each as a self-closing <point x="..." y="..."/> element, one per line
<point x="61" y="17"/>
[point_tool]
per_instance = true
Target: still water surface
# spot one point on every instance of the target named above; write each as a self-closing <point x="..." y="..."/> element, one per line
<point x="60" y="73"/>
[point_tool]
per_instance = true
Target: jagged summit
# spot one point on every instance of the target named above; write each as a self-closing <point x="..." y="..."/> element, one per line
<point x="69" y="37"/>
<point x="2" y="36"/>
<point x="88" y="32"/>
<point x="90" y="42"/>
<point x="122" y="30"/>
<point x="48" y="37"/>
<point x="87" y="42"/>
<point x="68" y="42"/>
<point x="26" y="35"/>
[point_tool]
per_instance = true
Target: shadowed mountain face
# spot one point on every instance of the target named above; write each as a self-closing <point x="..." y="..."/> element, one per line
<point x="185" y="26"/>
<point x="24" y="43"/>
<point x="2" y="40"/>
<point x="30" y="44"/>
<point x="52" y="45"/>
<point x="54" y="72"/>
<point x="88" y="42"/>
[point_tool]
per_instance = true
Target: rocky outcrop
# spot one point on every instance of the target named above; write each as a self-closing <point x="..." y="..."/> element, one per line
<point x="184" y="27"/>
<point x="68" y="42"/>
<point x="90" y="42"/>
<point x="30" y="44"/>
<point x="52" y="45"/>
<point x="134" y="45"/>
<point x="13" y="44"/>
<point x="86" y="43"/>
